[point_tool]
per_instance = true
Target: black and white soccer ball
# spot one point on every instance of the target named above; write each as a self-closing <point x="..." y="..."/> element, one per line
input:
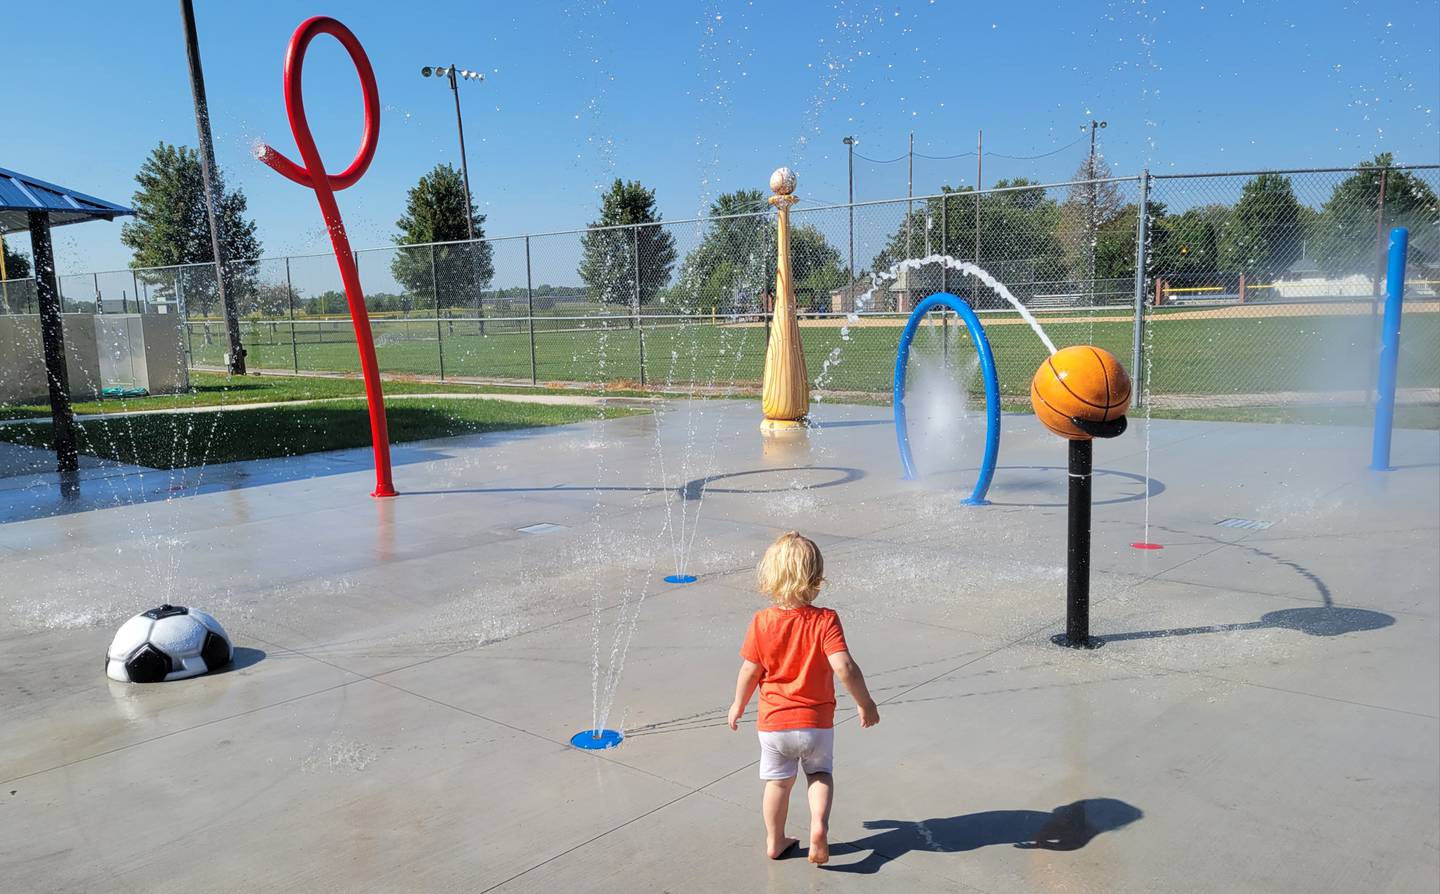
<point x="170" y="642"/>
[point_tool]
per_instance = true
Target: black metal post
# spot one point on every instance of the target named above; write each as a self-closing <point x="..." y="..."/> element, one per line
<point x="290" y="295"/>
<point x="530" y="311"/>
<point x="209" y="177"/>
<point x="435" y="292"/>
<point x="52" y="336"/>
<point x="1077" y="554"/>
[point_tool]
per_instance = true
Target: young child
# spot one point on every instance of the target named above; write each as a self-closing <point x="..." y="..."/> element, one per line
<point x="790" y="652"/>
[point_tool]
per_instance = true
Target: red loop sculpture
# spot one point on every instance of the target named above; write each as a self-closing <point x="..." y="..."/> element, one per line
<point x="312" y="174"/>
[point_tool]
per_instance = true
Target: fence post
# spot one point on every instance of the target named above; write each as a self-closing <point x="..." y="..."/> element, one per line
<point x="635" y="293"/>
<point x="1137" y="369"/>
<point x="290" y="294"/>
<point x="944" y="242"/>
<point x="530" y="310"/>
<point x="135" y="287"/>
<point x="641" y="332"/>
<point x="435" y="293"/>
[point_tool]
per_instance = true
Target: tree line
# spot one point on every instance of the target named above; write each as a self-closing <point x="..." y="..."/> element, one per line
<point x="629" y="257"/>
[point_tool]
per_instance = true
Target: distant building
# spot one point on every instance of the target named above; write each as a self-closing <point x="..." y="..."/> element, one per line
<point x="1304" y="279"/>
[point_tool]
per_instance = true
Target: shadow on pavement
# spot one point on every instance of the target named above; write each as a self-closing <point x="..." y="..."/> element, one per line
<point x="1066" y="828"/>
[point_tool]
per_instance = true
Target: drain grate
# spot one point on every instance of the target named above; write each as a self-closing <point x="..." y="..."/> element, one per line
<point x="1248" y="524"/>
<point x="541" y="528"/>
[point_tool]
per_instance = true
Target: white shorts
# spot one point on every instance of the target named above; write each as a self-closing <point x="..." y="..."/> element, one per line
<point x="783" y="751"/>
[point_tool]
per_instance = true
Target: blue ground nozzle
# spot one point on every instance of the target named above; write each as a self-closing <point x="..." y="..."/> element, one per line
<point x="597" y="739"/>
<point x="681" y="579"/>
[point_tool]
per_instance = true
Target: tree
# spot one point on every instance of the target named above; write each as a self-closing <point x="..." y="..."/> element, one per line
<point x="1264" y="233"/>
<point x="734" y="264"/>
<point x="1019" y="238"/>
<point x="608" y="265"/>
<point x="1343" y="237"/>
<point x="17" y="263"/>
<point x="171" y="227"/>
<point x="1186" y="246"/>
<point x="1091" y="224"/>
<point x="435" y="211"/>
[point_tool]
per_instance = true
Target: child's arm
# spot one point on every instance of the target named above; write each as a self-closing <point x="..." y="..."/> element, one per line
<point x="849" y="673"/>
<point x="744" y="688"/>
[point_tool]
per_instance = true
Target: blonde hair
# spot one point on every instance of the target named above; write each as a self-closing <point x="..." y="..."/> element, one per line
<point x="792" y="570"/>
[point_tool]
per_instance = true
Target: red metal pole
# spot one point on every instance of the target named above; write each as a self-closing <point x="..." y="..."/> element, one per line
<point x="312" y="174"/>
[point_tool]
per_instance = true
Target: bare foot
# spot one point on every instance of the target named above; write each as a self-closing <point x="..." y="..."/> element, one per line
<point x="778" y="849"/>
<point x="819" y="847"/>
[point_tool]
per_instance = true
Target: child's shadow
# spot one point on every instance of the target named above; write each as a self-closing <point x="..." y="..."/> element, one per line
<point x="1066" y="828"/>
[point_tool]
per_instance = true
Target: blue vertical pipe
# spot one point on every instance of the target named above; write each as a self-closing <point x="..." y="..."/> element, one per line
<point x="1389" y="350"/>
<point x="988" y="373"/>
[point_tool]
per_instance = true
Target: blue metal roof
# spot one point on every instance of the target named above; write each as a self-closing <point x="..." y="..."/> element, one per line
<point x="21" y="194"/>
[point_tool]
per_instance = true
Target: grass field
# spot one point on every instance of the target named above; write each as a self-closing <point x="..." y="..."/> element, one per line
<point x="177" y="440"/>
<point x="209" y="389"/>
<point x="1244" y="354"/>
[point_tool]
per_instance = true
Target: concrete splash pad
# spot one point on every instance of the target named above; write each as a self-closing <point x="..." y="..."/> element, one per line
<point x="409" y="672"/>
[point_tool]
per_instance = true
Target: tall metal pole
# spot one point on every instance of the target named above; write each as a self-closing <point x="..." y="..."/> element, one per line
<point x="464" y="164"/>
<point x="469" y="201"/>
<point x="979" y="153"/>
<point x="209" y="177"/>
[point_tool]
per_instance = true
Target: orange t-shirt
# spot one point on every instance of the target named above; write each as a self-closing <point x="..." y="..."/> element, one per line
<point x="791" y="646"/>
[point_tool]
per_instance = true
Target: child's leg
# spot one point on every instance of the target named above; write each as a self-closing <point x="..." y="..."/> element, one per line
<point x="821" y="792"/>
<point x="775" y="805"/>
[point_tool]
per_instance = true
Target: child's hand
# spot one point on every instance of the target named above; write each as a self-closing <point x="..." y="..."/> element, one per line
<point x="736" y="710"/>
<point x="869" y="715"/>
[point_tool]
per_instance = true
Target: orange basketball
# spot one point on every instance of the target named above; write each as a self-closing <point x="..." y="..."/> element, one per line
<point x="1080" y="382"/>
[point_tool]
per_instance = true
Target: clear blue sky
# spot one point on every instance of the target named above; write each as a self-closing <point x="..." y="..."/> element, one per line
<point x="698" y="99"/>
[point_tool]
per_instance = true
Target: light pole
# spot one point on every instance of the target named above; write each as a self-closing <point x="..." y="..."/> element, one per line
<point x="453" y="75"/>
<point x="1092" y="188"/>
<point x="850" y="142"/>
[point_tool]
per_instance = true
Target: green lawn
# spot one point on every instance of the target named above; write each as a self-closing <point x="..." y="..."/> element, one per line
<point x="176" y="440"/>
<point x="1238" y="354"/>
<point x="216" y="389"/>
<point x="1426" y="417"/>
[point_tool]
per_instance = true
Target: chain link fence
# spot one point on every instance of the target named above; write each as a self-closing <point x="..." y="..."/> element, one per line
<point x="1249" y="289"/>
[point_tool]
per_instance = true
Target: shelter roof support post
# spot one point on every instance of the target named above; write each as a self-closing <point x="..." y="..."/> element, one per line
<point x="52" y="335"/>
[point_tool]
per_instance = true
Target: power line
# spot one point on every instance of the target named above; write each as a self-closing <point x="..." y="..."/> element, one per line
<point x="879" y="161"/>
<point x="971" y="154"/>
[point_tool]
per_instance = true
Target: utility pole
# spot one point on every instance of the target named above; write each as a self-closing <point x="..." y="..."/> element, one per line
<point x="209" y="177"/>
<point x="979" y="153"/>
<point x="910" y="200"/>
<point x="850" y="142"/>
<point x="1092" y="189"/>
